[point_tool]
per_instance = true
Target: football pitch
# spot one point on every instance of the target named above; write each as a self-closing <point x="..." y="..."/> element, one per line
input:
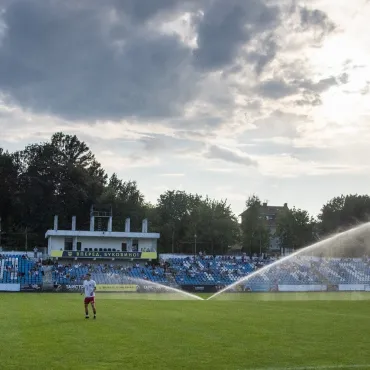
<point x="281" y="331"/>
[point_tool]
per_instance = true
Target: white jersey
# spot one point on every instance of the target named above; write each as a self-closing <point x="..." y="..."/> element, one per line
<point x="89" y="286"/>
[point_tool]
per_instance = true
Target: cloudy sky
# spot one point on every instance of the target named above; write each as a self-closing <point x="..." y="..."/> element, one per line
<point x="218" y="97"/>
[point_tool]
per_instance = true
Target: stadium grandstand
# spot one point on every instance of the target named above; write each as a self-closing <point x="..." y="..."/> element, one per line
<point x="183" y="271"/>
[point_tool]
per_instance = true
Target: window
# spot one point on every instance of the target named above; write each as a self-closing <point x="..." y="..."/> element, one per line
<point x="135" y="245"/>
<point x="68" y="244"/>
<point x="79" y="246"/>
<point x="124" y="247"/>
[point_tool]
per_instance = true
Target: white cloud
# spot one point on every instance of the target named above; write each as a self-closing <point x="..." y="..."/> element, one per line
<point x="159" y="97"/>
<point x="116" y="163"/>
<point x="172" y="174"/>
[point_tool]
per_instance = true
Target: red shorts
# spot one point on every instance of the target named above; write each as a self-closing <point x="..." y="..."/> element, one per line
<point x="89" y="300"/>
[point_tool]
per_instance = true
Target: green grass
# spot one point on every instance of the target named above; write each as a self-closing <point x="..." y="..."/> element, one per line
<point x="244" y="331"/>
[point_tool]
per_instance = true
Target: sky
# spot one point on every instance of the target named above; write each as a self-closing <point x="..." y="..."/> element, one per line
<point x="215" y="97"/>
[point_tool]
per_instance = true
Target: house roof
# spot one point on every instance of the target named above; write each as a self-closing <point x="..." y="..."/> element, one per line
<point x="266" y="209"/>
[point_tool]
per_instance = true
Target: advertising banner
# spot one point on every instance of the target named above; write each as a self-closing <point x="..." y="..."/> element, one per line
<point x="100" y="288"/>
<point x="31" y="288"/>
<point x="333" y="288"/>
<point x="127" y="288"/>
<point x="302" y="288"/>
<point x="72" y="288"/>
<point x="116" y="255"/>
<point x="51" y="288"/>
<point x="200" y="288"/>
<point x="258" y="288"/>
<point x="10" y="287"/>
<point x="152" y="288"/>
<point x="351" y="287"/>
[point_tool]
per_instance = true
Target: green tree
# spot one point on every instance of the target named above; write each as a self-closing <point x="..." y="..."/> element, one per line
<point x="343" y="212"/>
<point x="178" y="218"/>
<point x="8" y="193"/>
<point x="57" y="177"/>
<point x="295" y="228"/>
<point x="255" y="232"/>
<point x="217" y="226"/>
<point x="127" y="202"/>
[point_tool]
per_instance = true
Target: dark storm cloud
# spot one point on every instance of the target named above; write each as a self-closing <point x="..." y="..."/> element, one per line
<point x="155" y="144"/>
<point x="309" y="98"/>
<point x="226" y="26"/>
<point x="317" y="19"/>
<point x="323" y="84"/>
<point x="165" y="143"/>
<point x="261" y="58"/>
<point x="92" y="59"/>
<point x="62" y="59"/>
<point x="276" y="89"/>
<point x="343" y="78"/>
<point x="215" y="152"/>
<point x="143" y="10"/>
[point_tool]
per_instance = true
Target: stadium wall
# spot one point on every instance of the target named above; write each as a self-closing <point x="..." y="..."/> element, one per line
<point x="201" y="288"/>
<point x="10" y="287"/>
<point x="134" y="288"/>
<point x="101" y="288"/>
<point x="302" y="288"/>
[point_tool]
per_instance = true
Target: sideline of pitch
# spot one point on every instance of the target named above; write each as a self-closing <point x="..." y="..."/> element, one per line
<point x="324" y="367"/>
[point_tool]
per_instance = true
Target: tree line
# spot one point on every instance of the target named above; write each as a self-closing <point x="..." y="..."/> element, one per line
<point x="62" y="176"/>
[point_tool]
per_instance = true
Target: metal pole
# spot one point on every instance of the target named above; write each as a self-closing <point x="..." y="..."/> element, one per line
<point x="173" y="241"/>
<point x="260" y="244"/>
<point x="195" y="244"/>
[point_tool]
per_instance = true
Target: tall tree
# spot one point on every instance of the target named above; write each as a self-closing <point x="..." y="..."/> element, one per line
<point x="57" y="177"/>
<point x="255" y="233"/>
<point x="295" y="228"/>
<point x="127" y="202"/>
<point x="8" y="190"/>
<point x="218" y="226"/>
<point x="177" y="215"/>
<point x="188" y="223"/>
<point x="343" y="212"/>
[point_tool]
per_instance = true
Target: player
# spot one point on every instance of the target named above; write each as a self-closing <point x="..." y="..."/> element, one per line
<point x="89" y="287"/>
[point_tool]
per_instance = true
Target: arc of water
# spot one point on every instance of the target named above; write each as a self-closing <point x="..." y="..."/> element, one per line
<point x="301" y="251"/>
<point x="175" y="290"/>
<point x="158" y="285"/>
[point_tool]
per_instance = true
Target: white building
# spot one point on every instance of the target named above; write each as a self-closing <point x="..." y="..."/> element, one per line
<point x="102" y="244"/>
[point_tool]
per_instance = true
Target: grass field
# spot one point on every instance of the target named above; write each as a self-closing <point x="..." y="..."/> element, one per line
<point x="246" y="331"/>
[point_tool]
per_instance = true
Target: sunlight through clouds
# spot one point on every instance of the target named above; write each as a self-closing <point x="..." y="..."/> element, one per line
<point x="230" y="97"/>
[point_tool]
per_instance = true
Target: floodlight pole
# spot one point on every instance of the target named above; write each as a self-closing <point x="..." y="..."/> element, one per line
<point x="195" y="244"/>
